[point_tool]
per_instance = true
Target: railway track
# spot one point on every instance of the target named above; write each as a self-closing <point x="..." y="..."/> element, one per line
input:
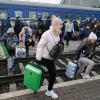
<point x="14" y="82"/>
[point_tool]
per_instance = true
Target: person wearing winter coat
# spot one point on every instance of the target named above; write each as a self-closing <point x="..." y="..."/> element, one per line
<point x="7" y="23"/>
<point x="69" y="30"/>
<point x="97" y="29"/>
<point x="48" y="23"/>
<point x="85" y="31"/>
<point x="18" y="26"/>
<point x="25" y="36"/>
<point x="10" y="41"/>
<point x="40" y="29"/>
<point x="85" y="53"/>
<point x="46" y="43"/>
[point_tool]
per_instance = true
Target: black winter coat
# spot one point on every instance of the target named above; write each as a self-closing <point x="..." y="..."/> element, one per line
<point x="84" y="51"/>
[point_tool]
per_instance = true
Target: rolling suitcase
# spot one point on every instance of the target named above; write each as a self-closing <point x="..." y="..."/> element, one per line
<point x="71" y="70"/>
<point x="33" y="76"/>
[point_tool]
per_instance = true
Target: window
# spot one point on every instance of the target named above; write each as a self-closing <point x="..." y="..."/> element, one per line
<point x="57" y="14"/>
<point x="38" y="15"/>
<point x="18" y="13"/>
<point x="93" y="16"/>
<point x="32" y="14"/>
<point x="79" y="16"/>
<point x="3" y="13"/>
<point x="68" y="16"/>
<point x="45" y="15"/>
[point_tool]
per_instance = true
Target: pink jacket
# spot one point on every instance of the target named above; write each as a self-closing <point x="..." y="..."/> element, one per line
<point x="48" y="40"/>
<point x="22" y="33"/>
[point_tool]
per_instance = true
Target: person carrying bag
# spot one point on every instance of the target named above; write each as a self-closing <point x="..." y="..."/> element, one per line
<point x="47" y="46"/>
<point x="26" y="37"/>
<point x="57" y="50"/>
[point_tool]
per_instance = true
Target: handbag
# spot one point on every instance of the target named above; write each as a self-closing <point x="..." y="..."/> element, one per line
<point x="57" y="50"/>
<point x="20" y="50"/>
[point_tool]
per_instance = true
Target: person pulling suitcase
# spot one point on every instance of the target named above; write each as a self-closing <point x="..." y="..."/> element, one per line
<point x="46" y="43"/>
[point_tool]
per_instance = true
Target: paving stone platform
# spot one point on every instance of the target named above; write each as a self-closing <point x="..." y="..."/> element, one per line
<point x="76" y="90"/>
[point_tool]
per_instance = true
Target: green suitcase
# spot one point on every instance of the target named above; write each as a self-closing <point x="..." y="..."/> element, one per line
<point x="3" y="51"/>
<point x="33" y="76"/>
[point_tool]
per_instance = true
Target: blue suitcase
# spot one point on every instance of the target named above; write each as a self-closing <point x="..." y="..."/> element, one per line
<point x="71" y="70"/>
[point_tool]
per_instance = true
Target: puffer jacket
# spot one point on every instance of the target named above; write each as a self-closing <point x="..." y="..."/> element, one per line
<point x="9" y="40"/>
<point x="46" y="43"/>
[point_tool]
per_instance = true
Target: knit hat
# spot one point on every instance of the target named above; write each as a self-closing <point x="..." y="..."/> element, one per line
<point x="10" y="30"/>
<point x="56" y="21"/>
<point x="92" y="36"/>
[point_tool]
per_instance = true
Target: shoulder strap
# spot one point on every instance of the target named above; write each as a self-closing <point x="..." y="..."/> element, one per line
<point x="53" y="39"/>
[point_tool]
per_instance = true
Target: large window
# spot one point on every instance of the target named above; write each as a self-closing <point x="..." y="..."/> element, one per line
<point x="79" y="16"/>
<point x="18" y="13"/>
<point x="3" y="13"/>
<point x="68" y="16"/>
<point x="45" y="15"/>
<point x="93" y="16"/>
<point x="32" y="14"/>
<point x="57" y="14"/>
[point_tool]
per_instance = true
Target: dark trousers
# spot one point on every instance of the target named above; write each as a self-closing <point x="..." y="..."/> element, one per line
<point x="27" y="47"/>
<point x="50" y="65"/>
<point x="27" y="44"/>
<point x="11" y="52"/>
<point x="69" y="37"/>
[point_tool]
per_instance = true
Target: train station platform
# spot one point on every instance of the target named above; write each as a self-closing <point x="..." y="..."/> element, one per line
<point x="81" y="89"/>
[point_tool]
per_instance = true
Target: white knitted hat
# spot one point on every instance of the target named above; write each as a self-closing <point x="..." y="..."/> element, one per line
<point x="56" y="21"/>
<point x="92" y="36"/>
<point x="10" y="30"/>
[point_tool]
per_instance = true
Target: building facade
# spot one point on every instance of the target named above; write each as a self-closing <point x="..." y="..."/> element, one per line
<point x="85" y="3"/>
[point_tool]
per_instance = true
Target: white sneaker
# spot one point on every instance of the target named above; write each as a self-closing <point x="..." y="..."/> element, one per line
<point x="51" y="94"/>
<point x="86" y="76"/>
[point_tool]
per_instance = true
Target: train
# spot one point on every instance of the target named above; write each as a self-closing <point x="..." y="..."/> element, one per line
<point x="33" y="10"/>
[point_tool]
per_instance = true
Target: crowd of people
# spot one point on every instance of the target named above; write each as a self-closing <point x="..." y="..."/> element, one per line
<point x="84" y="53"/>
<point x="72" y="29"/>
<point x="13" y="32"/>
